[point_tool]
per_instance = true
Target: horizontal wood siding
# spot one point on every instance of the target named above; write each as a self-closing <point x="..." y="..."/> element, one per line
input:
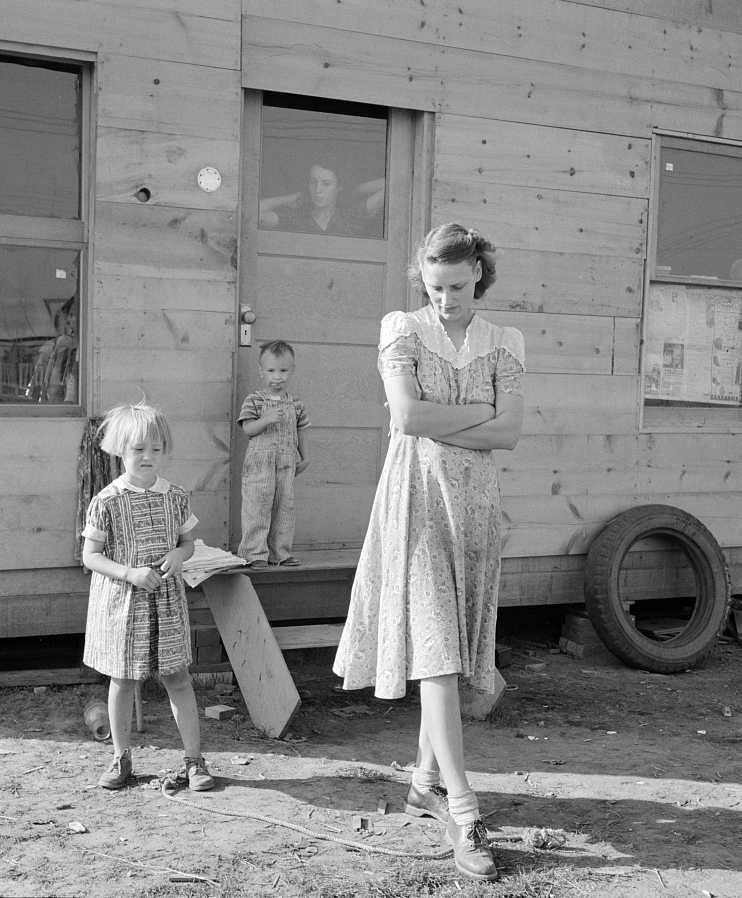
<point x="721" y="14"/>
<point x="162" y="297"/>
<point x="570" y="34"/>
<point x="544" y="112"/>
<point x="365" y="66"/>
<point x="146" y="30"/>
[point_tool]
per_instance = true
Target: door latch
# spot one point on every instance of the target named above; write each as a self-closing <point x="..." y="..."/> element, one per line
<point x="247" y="317"/>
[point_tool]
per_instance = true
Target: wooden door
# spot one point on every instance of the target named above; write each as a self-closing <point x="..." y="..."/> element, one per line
<point x="325" y="293"/>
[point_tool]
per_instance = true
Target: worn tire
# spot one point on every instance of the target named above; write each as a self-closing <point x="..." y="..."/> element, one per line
<point x="603" y="600"/>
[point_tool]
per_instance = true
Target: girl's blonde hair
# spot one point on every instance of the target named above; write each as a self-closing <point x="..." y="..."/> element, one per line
<point x="130" y="424"/>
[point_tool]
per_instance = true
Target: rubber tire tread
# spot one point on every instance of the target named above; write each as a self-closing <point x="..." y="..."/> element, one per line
<point x="602" y="595"/>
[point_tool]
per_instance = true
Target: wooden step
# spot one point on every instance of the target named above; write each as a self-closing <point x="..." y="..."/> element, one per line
<point x="308" y="636"/>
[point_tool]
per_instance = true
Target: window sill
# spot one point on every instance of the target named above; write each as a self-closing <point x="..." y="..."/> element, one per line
<point x="39" y="410"/>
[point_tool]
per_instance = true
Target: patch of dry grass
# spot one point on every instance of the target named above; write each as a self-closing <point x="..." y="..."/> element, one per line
<point x="248" y="878"/>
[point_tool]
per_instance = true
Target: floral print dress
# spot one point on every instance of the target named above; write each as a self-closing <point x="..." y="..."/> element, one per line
<point x="424" y="598"/>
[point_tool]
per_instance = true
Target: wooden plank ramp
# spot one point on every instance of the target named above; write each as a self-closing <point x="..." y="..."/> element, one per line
<point x="256" y="658"/>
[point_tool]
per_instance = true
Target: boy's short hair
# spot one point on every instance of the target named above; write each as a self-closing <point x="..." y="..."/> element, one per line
<point x="130" y="424"/>
<point x="277" y="347"/>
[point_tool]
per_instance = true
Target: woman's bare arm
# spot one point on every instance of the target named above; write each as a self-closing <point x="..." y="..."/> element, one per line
<point x="422" y="418"/>
<point x="501" y="432"/>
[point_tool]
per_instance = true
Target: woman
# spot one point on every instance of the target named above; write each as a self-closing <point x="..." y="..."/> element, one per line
<point x="318" y="209"/>
<point x="424" y="599"/>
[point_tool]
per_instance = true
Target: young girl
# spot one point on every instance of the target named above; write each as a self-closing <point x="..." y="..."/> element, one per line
<point x="424" y="599"/>
<point x="138" y="533"/>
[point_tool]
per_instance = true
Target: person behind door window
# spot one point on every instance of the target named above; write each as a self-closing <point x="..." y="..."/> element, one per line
<point x="424" y="599"/>
<point x="319" y="208"/>
<point x="138" y="532"/>
<point x="275" y="421"/>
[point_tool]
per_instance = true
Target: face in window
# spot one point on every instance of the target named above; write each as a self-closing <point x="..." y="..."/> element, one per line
<point x="323" y="187"/>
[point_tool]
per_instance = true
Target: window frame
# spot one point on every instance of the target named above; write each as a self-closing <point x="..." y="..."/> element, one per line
<point x="61" y="233"/>
<point x="680" y="416"/>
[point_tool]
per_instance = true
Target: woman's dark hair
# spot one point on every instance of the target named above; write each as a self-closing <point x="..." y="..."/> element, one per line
<point x="450" y="244"/>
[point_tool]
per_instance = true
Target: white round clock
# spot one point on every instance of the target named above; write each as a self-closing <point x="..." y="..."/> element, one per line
<point x="209" y="179"/>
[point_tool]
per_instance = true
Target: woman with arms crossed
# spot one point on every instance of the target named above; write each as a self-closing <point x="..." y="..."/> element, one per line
<point x="424" y="599"/>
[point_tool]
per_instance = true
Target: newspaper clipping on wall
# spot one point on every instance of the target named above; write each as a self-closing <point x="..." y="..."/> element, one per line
<point x="693" y="344"/>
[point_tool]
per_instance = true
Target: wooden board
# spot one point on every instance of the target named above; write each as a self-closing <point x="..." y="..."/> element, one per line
<point x="721" y="14"/>
<point x="484" y="151"/>
<point x="552" y="220"/>
<point x="567" y="33"/>
<point x="162" y="328"/>
<point x="168" y="97"/>
<point x="263" y="677"/>
<point x="115" y="289"/>
<point x="166" y="164"/>
<point x="326" y="61"/>
<point x="566" y="404"/>
<point x="161" y="242"/>
<point x="530" y="280"/>
<point x="140" y="31"/>
<point x="310" y="636"/>
<point x="58" y="676"/>
<point x="578" y="344"/>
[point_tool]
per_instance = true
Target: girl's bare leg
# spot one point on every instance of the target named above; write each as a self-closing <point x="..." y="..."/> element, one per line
<point x="185" y="711"/>
<point x="120" y="707"/>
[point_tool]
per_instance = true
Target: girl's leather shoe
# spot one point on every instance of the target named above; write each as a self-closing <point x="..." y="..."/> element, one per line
<point x="118" y="772"/>
<point x="471" y="850"/>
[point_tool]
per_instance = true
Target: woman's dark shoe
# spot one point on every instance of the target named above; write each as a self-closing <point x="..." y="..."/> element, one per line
<point x="471" y="850"/>
<point x="428" y="801"/>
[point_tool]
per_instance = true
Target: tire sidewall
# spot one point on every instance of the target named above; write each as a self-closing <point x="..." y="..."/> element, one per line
<point x="603" y="600"/>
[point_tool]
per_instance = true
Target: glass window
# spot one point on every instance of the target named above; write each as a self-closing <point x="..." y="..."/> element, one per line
<point x="39" y="318"/>
<point x="323" y="166"/>
<point x="42" y="232"/>
<point x="692" y="350"/>
<point x="39" y="139"/>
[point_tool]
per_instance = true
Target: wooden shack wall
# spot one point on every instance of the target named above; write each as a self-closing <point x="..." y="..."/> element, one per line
<point x="162" y="282"/>
<point x="544" y="112"/>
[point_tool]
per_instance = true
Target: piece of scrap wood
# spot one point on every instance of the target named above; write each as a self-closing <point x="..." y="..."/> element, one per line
<point x="219" y="712"/>
<point x="256" y="658"/>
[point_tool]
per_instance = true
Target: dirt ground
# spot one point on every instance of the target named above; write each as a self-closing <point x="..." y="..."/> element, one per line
<point x="638" y="774"/>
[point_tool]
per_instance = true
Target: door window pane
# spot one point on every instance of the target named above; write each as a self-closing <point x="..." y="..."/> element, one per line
<point x="323" y="167"/>
<point x="40" y="139"/>
<point x="39" y="325"/>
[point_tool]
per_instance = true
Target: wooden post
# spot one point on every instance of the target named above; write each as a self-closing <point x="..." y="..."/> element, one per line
<point x="258" y="664"/>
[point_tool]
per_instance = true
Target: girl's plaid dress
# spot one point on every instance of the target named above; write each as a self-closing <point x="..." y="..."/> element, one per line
<point x="132" y="633"/>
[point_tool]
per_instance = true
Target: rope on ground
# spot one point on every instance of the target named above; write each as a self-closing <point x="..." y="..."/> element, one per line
<point x="171" y="785"/>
